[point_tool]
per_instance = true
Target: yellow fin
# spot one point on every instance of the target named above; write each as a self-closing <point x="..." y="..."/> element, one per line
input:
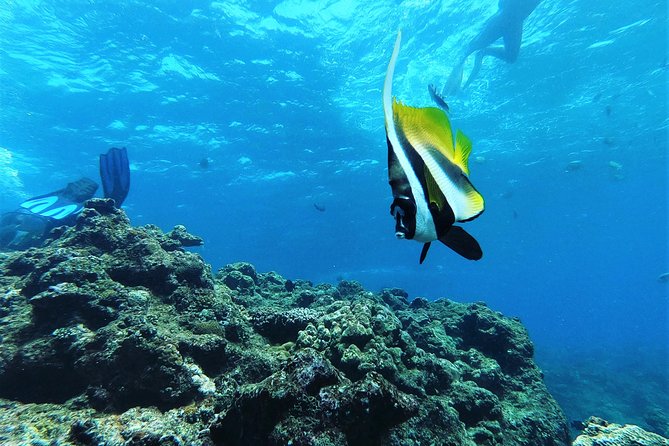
<point x="463" y="147"/>
<point x="428" y="126"/>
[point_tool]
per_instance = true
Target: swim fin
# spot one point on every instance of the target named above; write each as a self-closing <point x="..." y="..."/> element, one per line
<point x="454" y="81"/>
<point x="115" y="174"/>
<point x="64" y="202"/>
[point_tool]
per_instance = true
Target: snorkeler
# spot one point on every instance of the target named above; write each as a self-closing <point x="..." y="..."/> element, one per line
<point x="29" y="225"/>
<point x="506" y="24"/>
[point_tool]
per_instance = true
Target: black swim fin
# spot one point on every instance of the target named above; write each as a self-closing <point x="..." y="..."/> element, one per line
<point x="115" y="174"/>
<point x="461" y="242"/>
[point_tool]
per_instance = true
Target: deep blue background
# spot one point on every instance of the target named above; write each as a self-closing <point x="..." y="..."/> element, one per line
<point x="284" y="99"/>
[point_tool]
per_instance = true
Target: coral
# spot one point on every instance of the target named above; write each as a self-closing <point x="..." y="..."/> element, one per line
<point x="282" y="326"/>
<point x="116" y="335"/>
<point x="599" y="432"/>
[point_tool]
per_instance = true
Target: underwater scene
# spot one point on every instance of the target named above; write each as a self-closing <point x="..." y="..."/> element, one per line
<point x="334" y="222"/>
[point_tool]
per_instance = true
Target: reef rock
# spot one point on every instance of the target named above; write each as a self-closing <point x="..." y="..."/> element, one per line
<point x="599" y="432"/>
<point x="114" y="335"/>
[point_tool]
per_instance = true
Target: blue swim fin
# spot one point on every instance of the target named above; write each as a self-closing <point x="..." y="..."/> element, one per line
<point x="115" y="174"/>
<point x="64" y="202"/>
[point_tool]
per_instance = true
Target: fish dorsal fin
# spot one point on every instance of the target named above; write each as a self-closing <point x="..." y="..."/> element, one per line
<point x="428" y="132"/>
<point x="434" y="193"/>
<point x="425" y="126"/>
<point x="463" y="147"/>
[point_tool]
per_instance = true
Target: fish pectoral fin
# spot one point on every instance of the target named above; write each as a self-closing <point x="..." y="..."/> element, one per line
<point x="424" y="251"/>
<point x="463" y="148"/>
<point x="461" y="242"/>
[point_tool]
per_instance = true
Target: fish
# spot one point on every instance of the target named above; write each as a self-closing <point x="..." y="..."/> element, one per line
<point x="574" y="165"/>
<point x="437" y="98"/>
<point x="428" y="174"/>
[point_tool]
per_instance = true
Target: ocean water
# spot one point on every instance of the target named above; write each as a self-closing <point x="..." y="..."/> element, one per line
<point x="283" y="100"/>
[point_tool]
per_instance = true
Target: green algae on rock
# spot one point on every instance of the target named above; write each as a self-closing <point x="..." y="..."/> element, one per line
<point x="115" y="335"/>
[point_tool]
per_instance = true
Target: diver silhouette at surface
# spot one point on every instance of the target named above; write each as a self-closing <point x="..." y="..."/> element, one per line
<point x="506" y="24"/>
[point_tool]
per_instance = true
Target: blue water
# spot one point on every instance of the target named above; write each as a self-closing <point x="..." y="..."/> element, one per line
<point x="284" y="99"/>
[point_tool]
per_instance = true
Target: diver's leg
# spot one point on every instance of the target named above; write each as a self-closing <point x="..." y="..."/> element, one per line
<point x="513" y="36"/>
<point x="492" y="31"/>
<point x="454" y="81"/>
<point x="508" y="52"/>
<point x="478" y="61"/>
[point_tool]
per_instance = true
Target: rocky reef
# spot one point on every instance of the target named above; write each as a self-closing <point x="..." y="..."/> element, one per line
<point x="599" y="432"/>
<point x="115" y="335"/>
<point x="596" y="380"/>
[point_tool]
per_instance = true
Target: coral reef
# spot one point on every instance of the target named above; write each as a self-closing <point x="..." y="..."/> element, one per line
<point x="599" y="432"/>
<point x="115" y="335"/>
